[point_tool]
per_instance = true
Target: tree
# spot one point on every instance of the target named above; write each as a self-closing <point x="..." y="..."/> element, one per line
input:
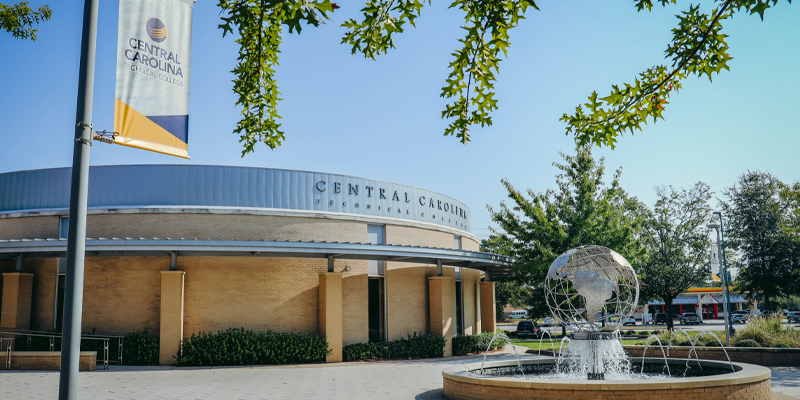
<point x="19" y="19"/>
<point x="762" y="224"/>
<point x="676" y="236"/>
<point x="583" y="210"/>
<point x="698" y="47"/>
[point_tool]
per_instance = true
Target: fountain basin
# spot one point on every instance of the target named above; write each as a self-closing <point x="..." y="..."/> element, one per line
<point x="747" y="382"/>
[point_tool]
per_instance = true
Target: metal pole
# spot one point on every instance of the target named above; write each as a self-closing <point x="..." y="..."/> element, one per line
<point x="78" y="200"/>
<point x="726" y="306"/>
<point x="725" y="280"/>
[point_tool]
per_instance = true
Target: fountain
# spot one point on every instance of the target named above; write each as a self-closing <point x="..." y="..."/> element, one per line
<point x="594" y="290"/>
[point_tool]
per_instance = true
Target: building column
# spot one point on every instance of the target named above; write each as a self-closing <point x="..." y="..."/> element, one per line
<point x="330" y="313"/>
<point x="488" y="310"/>
<point x="17" y="294"/>
<point x="171" y="334"/>
<point x="441" y="300"/>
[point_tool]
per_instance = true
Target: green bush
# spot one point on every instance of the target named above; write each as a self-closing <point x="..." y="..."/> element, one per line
<point x="413" y="346"/>
<point x="140" y="348"/>
<point x="240" y="347"/>
<point x="746" y="343"/>
<point x="781" y="345"/>
<point x="768" y="332"/>
<point x="473" y="344"/>
<point x="630" y="332"/>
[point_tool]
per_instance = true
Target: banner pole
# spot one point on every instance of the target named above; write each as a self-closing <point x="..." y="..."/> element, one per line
<point x="78" y="201"/>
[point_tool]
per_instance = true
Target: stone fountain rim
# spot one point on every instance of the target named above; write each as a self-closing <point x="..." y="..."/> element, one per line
<point x="746" y="373"/>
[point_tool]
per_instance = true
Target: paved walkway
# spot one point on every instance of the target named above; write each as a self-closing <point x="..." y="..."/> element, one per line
<point x="414" y="379"/>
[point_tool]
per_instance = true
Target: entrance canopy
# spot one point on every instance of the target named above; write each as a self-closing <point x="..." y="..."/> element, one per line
<point x="496" y="265"/>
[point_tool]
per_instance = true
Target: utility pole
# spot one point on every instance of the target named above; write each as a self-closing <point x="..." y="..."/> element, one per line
<point x="726" y="280"/>
<point x="78" y="201"/>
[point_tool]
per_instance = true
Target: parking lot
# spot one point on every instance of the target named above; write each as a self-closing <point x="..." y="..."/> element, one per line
<point x="707" y="325"/>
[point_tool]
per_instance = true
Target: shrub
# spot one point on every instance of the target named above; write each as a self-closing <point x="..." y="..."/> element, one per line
<point x="240" y="347"/>
<point x="140" y="348"/>
<point x="413" y="346"/>
<point x="781" y="345"/>
<point x="471" y="344"/>
<point x="768" y="332"/>
<point x="630" y="332"/>
<point x="746" y="343"/>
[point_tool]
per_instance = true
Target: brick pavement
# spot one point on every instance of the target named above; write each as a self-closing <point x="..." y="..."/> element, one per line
<point x="421" y="379"/>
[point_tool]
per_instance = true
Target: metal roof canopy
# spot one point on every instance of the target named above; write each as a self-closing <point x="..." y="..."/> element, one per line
<point x="496" y="265"/>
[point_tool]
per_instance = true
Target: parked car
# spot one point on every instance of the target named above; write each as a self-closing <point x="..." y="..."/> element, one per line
<point x="738" y="318"/>
<point x="630" y="321"/>
<point x="549" y="321"/>
<point x="793" y="316"/>
<point x="528" y="329"/>
<point x="660" y="318"/>
<point x="690" y="318"/>
<point x="519" y="314"/>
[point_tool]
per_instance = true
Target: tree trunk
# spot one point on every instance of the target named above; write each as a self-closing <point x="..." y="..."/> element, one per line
<point x="668" y="308"/>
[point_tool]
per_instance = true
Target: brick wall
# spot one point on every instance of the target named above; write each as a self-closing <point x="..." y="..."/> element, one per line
<point x="407" y="299"/>
<point x="355" y="301"/>
<point x="408" y="236"/>
<point x="46" y="360"/>
<point x="122" y="294"/>
<point x="29" y="227"/>
<point x="458" y="390"/>
<point x="757" y="356"/>
<point x="44" y="291"/>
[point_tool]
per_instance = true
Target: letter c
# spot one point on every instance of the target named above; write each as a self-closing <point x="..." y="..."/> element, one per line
<point x="422" y="200"/>
<point x="133" y="43"/>
<point x="321" y="186"/>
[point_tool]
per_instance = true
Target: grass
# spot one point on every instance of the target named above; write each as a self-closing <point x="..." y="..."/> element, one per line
<point x="549" y="344"/>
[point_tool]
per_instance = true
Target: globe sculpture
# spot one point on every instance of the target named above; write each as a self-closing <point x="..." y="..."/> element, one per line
<point x="592" y="289"/>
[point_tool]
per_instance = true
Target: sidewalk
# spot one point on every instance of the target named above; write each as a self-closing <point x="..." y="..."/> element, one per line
<point x="405" y="379"/>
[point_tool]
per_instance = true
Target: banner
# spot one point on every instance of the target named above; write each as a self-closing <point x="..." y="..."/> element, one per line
<point x="151" y="109"/>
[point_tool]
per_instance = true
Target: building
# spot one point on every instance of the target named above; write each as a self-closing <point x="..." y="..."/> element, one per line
<point x="180" y="249"/>
<point x="710" y="298"/>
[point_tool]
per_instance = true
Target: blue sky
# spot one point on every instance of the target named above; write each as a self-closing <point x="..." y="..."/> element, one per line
<point x="381" y="119"/>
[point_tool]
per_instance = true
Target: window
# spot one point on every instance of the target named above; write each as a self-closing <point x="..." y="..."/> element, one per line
<point x="60" y="290"/>
<point x="457" y="242"/>
<point x="459" y="308"/>
<point x="376" y="270"/>
<point x="63" y="227"/>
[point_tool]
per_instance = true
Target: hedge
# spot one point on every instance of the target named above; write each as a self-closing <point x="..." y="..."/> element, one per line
<point x="240" y="347"/>
<point x="471" y="344"/>
<point x="414" y="346"/>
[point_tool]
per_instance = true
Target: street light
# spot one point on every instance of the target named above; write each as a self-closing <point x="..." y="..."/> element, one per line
<point x="721" y="243"/>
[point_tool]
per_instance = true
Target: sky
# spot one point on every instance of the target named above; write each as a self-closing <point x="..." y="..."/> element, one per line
<point x="381" y="119"/>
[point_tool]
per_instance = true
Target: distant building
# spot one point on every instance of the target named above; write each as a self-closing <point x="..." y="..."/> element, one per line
<point x="711" y="300"/>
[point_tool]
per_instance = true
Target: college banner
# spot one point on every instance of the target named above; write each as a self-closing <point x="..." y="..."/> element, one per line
<point x="151" y="109"/>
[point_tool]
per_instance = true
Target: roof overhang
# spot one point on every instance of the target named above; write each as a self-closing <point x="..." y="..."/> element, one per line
<point x="496" y="265"/>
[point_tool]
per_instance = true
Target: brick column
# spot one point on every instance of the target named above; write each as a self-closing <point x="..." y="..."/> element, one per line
<point x="172" y="283"/>
<point x="330" y="313"/>
<point x="488" y="317"/>
<point x="17" y="293"/>
<point x="440" y="296"/>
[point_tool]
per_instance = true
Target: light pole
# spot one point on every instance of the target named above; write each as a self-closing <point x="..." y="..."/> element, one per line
<point x="721" y="243"/>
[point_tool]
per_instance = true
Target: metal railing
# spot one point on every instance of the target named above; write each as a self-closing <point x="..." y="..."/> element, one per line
<point x="9" y="345"/>
<point x="53" y="336"/>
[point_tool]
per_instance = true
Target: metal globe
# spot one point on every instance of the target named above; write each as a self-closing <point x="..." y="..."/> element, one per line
<point x="592" y="288"/>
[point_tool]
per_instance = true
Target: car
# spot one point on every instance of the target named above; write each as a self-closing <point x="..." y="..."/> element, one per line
<point x="518" y="314"/>
<point x="690" y="318"/>
<point x="738" y="319"/>
<point x="745" y="315"/>
<point x="660" y="318"/>
<point x="549" y="321"/>
<point x="630" y="321"/>
<point x="528" y="328"/>
<point x="793" y="316"/>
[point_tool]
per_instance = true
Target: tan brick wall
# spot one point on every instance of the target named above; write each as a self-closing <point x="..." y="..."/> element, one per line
<point x="258" y="293"/>
<point x="29" y="227"/>
<point x="44" y="291"/>
<point x="468" y="285"/>
<point x="355" y="302"/>
<point x="171" y="316"/>
<point x="469" y="244"/>
<point x="407" y="299"/>
<point x="46" y="360"/>
<point x="488" y="310"/>
<point x="17" y="295"/>
<point x="330" y="313"/>
<point x="122" y="294"/>
<point x="409" y="236"/>
<point x="441" y="314"/>
<point x="5" y="266"/>
<point x="762" y="390"/>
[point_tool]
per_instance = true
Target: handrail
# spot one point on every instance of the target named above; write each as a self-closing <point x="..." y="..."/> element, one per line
<point x="55" y="335"/>
<point x="8" y="351"/>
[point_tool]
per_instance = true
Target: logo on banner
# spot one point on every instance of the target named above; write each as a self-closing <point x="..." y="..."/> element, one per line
<point x="156" y="30"/>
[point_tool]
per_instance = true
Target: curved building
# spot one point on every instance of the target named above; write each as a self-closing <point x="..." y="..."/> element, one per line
<point x="180" y="249"/>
